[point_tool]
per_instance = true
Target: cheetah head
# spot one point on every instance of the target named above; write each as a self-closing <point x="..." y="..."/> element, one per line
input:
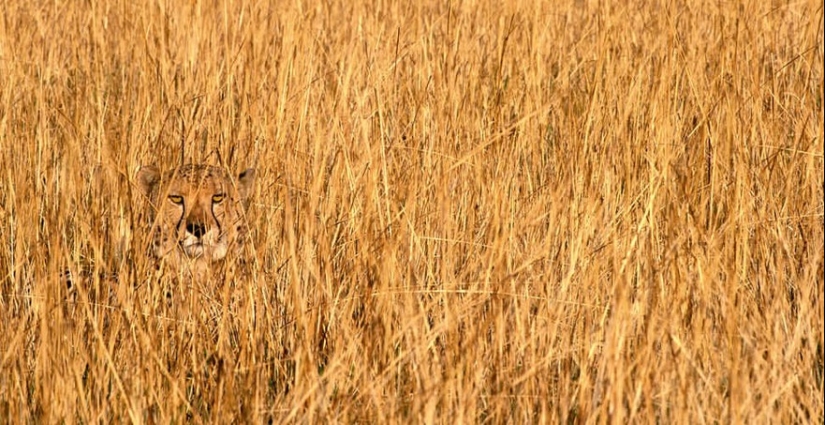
<point x="199" y="211"/>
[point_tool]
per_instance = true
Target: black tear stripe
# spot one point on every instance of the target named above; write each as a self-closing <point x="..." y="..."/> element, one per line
<point x="215" y="217"/>
<point x="182" y="217"/>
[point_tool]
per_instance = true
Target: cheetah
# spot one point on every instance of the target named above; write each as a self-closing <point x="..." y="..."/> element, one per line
<point x="199" y="214"/>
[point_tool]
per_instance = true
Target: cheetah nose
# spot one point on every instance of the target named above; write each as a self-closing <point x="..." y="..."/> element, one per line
<point x="196" y="229"/>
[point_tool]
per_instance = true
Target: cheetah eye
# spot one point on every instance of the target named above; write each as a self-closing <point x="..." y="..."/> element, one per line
<point x="218" y="198"/>
<point x="176" y="199"/>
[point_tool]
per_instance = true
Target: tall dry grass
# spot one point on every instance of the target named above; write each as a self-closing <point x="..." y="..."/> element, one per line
<point x="466" y="212"/>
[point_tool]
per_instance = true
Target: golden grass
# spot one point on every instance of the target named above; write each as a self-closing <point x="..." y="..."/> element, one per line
<point x="476" y="212"/>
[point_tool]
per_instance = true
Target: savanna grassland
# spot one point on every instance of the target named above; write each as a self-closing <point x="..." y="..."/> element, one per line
<point x="465" y="212"/>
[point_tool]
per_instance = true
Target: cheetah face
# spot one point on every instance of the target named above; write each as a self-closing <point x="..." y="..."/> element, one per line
<point x="199" y="211"/>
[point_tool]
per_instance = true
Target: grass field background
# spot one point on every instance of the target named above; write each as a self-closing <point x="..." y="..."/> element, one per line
<point x="465" y="212"/>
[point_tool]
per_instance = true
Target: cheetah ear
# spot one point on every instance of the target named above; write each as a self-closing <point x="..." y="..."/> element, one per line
<point x="148" y="177"/>
<point x="246" y="181"/>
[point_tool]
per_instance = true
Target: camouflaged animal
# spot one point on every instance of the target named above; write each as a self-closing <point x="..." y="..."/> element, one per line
<point x="199" y="214"/>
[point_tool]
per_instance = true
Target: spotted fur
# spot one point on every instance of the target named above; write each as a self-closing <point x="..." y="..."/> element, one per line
<point x="199" y="214"/>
